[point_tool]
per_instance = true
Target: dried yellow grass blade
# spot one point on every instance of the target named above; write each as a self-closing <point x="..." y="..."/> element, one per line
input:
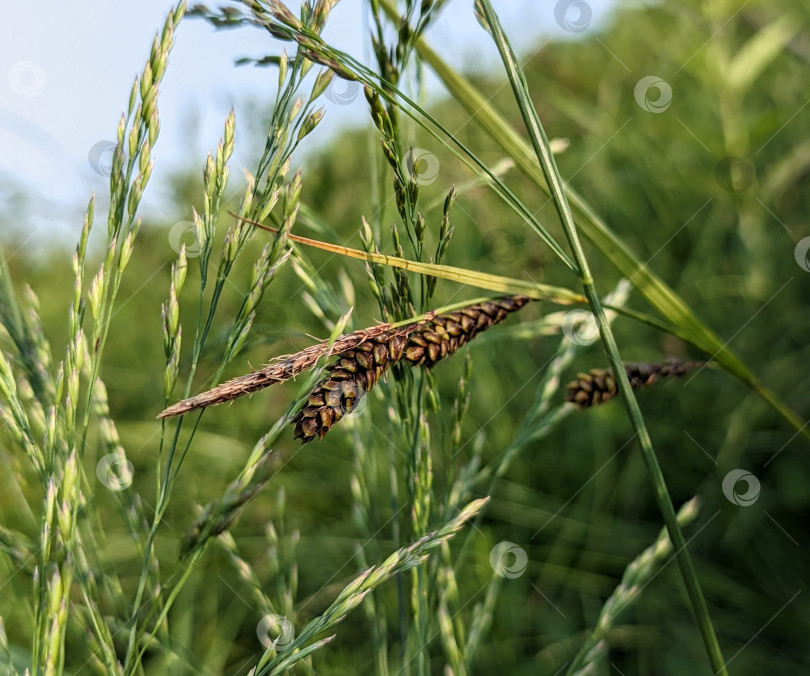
<point x="481" y="280"/>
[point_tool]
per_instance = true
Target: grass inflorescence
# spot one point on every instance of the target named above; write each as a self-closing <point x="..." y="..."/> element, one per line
<point x="111" y="542"/>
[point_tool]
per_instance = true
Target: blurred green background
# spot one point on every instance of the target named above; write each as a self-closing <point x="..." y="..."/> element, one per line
<point x="714" y="192"/>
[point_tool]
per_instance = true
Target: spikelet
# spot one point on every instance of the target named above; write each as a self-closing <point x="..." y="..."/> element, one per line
<point x="354" y="373"/>
<point x="279" y="370"/>
<point x="358" y="369"/>
<point x="599" y="385"/>
<point x="447" y="332"/>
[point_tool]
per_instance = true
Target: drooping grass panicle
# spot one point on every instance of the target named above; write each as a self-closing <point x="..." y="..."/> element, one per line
<point x="355" y="373"/>
<point x="362" y="357"/>
<point x="279" y="370"/>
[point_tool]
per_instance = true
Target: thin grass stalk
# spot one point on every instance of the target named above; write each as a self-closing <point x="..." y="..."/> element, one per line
<point x="349" y="68"/>
<point x="538" y="422"/>
<point x="554" y="181"/>
<point x="637" y="575"/>
<point x="352" y="595"/>
<point x="289" y="125"/>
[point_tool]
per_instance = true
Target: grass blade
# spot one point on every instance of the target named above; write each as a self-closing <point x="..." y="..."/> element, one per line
<point x="481" y="280"/>
<point x="554" y="181"/>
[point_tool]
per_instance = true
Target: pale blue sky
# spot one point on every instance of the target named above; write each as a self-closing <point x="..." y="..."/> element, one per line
<point x="68" y="69"/>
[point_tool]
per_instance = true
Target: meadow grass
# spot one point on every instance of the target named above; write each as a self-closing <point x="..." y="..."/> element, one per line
<point x="102" y="578"/>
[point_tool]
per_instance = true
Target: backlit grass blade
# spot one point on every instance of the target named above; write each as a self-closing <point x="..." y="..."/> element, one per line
<point x="481" y="280"/>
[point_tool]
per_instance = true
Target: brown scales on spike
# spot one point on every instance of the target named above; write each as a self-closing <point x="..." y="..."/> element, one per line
<point x="447" y="332"/>
<point x="362" y="358"/>
<point x="599" y="385"/>
<point x="279" y="370"/>
<point x="355" y="373"/>
<point x="358" y="370"/>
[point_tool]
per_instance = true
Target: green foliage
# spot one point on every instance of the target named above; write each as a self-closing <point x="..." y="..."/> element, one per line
<point x="214" y="545"/>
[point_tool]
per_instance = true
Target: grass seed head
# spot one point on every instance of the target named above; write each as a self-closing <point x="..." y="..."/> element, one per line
<point x="358" y="369"/>
<point x="599" y="385"/>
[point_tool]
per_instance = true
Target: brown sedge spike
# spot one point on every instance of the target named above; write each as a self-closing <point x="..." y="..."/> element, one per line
<point x="357" y="370"/>
<point x="599" y="385"/>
